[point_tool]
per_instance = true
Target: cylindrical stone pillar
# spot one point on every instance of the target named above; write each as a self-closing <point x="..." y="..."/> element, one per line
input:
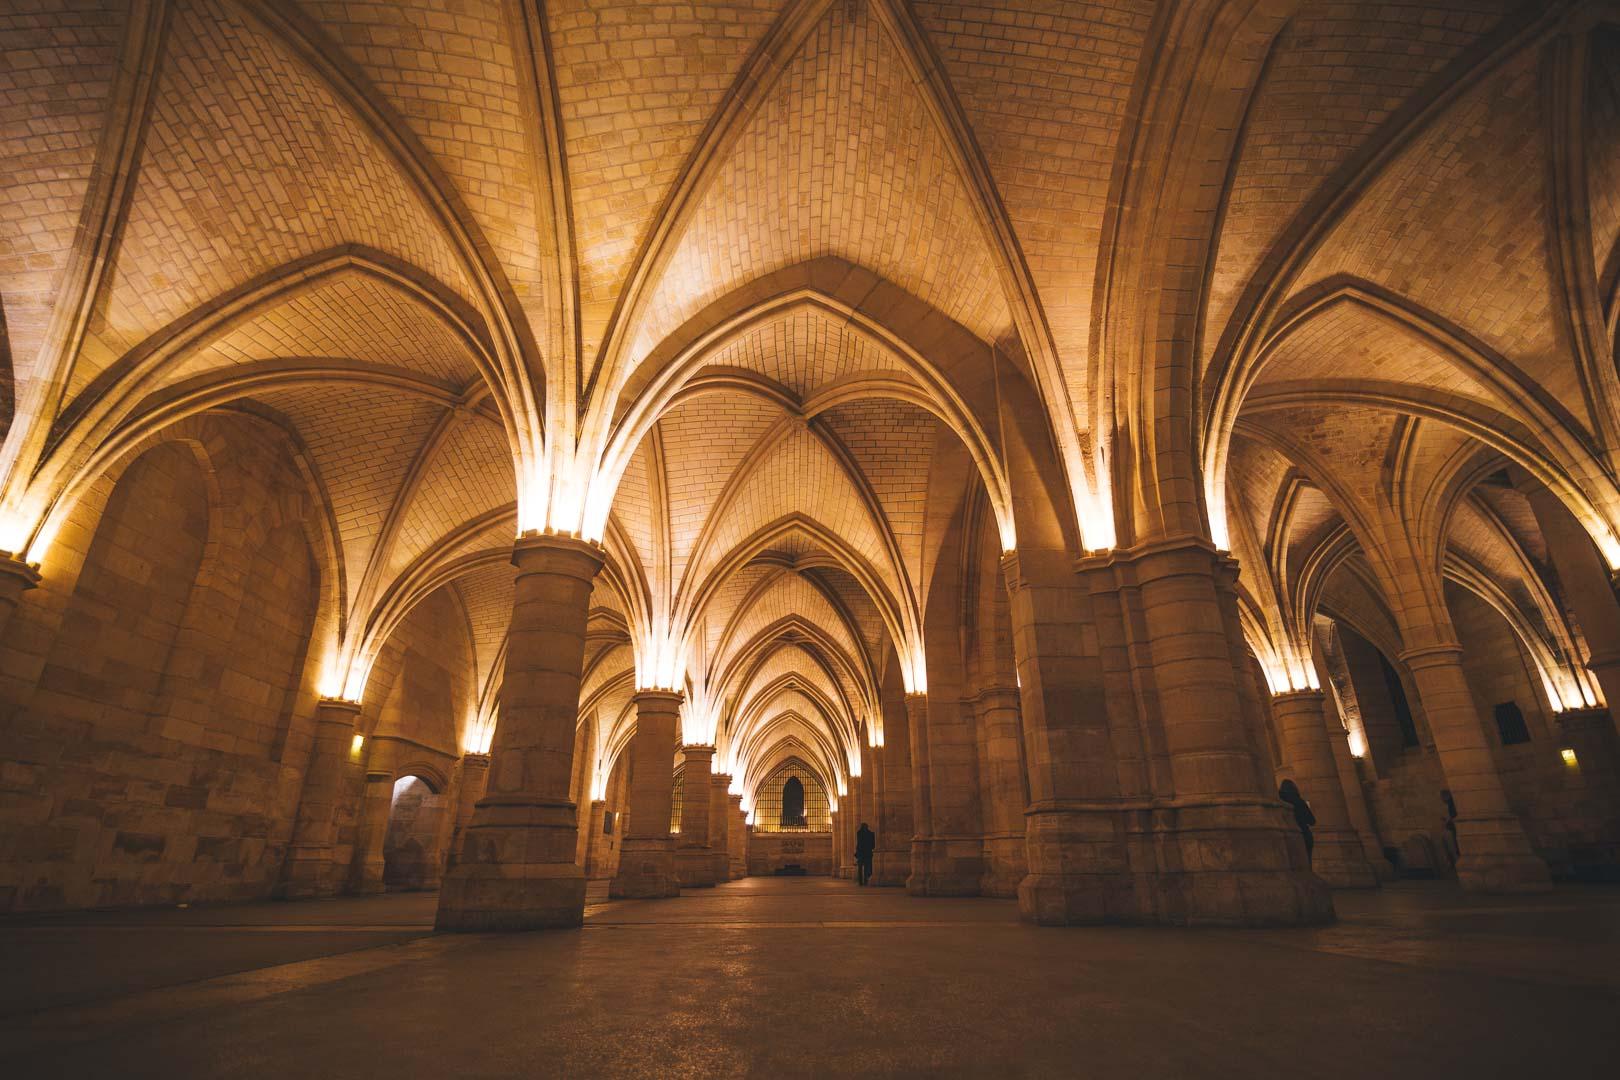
<point x="647" y="856"/>
<point x="1307" y="751"/>
<point x="366" y="871"/>
<point x="1495" y="853"/>
<point x="311" y="868"/>
<point x="921" y="812"/>
<point x="737" y="846"/>
<point x="854" y="807"/>
<point x="694" y="858"/>
<point x="596" y="845"/>
<point x="517" y="870"/>
<point x="474" y="781"/>
<point x="719" y="826"/>
<point x="1004" y="792"/>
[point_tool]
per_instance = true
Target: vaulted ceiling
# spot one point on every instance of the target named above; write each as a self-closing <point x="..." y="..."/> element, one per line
<point x="452" y="248"/>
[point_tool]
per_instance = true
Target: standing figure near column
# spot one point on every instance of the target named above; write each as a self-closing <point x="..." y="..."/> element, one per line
<point x="865" y="845"/>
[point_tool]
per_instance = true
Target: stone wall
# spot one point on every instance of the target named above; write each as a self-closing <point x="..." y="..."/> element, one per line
<point x="769" y="852"/>
<point x="159" y="683"/>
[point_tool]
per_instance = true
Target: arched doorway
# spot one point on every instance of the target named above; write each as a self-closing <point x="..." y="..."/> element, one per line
<point x="411" y="854"/>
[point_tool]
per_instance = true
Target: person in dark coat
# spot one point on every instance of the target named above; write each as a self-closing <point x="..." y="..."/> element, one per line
<point x="865" y="844"/>
<point x="1289" y="793"/>
<point x="1451" y="823"/>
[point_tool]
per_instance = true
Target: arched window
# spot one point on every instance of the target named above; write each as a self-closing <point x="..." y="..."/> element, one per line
<point x="675" y="797"/>
<point x="792" y="799"/>
<point x="793" y="804"/>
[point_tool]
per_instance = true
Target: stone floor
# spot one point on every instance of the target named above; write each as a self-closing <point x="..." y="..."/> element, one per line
<point x="775" y="977"/>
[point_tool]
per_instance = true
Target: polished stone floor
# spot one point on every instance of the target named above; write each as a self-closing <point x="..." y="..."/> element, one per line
<point x="811" y="977"/>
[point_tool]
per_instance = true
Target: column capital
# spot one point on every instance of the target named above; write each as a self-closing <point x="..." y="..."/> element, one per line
<point x="474" y="761"/>
<point x="16" y="575"/>
<point x="558" y="554"/>
<point x="340" y="706"/>
<point x="1428" y="656"/>
<point x="658" y="700"/>
<point x="722" y="778"/>
<point x="992" y="693"/>
<point x="1316" y="696"/>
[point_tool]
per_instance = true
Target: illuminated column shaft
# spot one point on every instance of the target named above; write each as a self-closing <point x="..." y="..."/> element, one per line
<point x="647" y="856"/>
<point x="366" y="872"/>
<point x="1004" y="794"/>
<point x="474" y="779"/>
<point x="694" y="858"/>
<point x="1496" y="853"/>
<point x="737" y="849"/>
<point x="517" y="870"/>
<point x="720" y="826"/>
<point x="1307" y="753"/>
<point x="311" y="867"/>
<point x="836" y="839"/>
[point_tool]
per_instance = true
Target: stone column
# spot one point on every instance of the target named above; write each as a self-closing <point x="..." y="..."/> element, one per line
<point x="855" y="813"/>
<point x="311" y="868"/>
<point x="1003" y="792"/>
<point x="1075" y="843"/>
<point x="891" y="861"/>
<point x="719" y="826"/>
<point x="1307" y="752"/>
<point x="16" y="578"/>
<point x="1496" y="855"/>
<point x="449" y="805"/>
<point x="694" y="858"/>
<point x="366" y="871"/>
<point x="737" y="848"/>
<point x="948" y="852"/>
<point x="835" y="840"/>
<point x="517" y="870"/>
<point x="647" y="855"/>
<point x="474" y="780"/>
<point x="596" y="843"/>
<point x="916" y="706"/>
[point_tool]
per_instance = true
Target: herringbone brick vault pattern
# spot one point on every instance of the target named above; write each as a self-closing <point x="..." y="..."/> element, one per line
<point x="1047" y="427"/>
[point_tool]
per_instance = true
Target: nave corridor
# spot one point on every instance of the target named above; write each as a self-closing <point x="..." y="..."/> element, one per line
<point x="814" y="976"/>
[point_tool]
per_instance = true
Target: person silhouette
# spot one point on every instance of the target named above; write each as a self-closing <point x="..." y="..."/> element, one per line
<point x="1451" y="823"/>
<point x="1288" y="792"/>
<point x="865" y="843"/>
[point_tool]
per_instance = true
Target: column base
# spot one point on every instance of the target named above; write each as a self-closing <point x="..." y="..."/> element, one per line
<point x="694" y="868"/>
<point x="370" y="881"/>
<point x="309" y="874"/>
<point x="1503" y="874"/>
<point x="646" y="871"/>
<point x="722" y="867"/>
<point x="1004" y="866"/>
<point x="946" y="867"/>
<point x="494" y="897"/>
<point x="890" y="867"/>
<point x="1340" y="861"/>
<point x="1218" y="864"/>
<point x="517" y="870"/>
